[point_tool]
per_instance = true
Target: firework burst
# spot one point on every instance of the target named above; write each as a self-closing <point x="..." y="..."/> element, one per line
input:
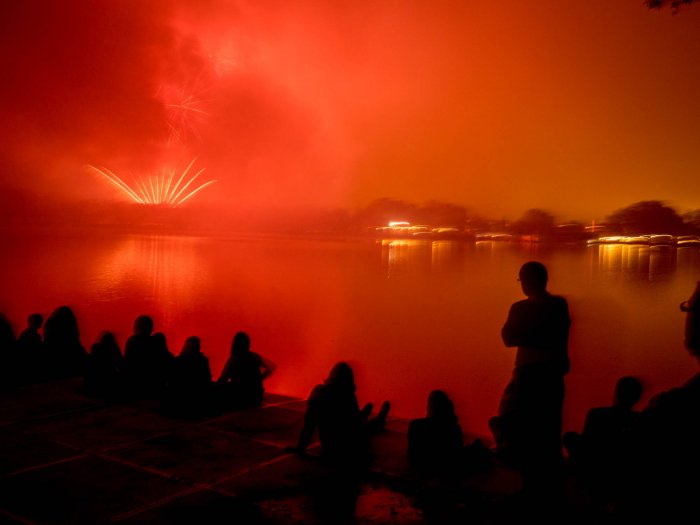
<point x="159" y="189"/>
<point x="184" y="111"/>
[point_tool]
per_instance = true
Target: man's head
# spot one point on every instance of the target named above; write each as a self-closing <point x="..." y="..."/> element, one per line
<point x="628" y="391"/>
<point x="143" y="325"/>
<point x="533" y="278"/>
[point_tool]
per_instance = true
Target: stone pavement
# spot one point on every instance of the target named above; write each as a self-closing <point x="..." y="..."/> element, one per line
<point x="69" y="459"/>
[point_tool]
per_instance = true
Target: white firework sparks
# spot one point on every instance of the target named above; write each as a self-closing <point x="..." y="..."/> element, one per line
<point x="158" y="189"/>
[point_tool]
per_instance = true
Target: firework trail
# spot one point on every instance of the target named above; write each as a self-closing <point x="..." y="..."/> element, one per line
<point x="158" y="189"/>
<point x="184" y="111"/>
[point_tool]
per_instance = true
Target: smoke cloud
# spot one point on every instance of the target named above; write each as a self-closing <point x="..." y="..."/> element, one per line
<point x="334" y="104"/>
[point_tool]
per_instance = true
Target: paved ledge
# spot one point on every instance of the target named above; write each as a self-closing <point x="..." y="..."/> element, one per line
<point x="70" y="459"/>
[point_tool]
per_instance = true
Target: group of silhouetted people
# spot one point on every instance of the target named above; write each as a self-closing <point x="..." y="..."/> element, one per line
<point x="31" y="357"/>
<point x="623" y="458"/>
<point x="146" y="370"/>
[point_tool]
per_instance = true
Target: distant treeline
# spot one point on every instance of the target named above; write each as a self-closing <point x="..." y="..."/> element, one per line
<point x="645" y="217"/>
<point x="18" y="208"/>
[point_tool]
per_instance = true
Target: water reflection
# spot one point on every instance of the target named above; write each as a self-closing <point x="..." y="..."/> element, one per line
<point x="165" y="269"/>
<point x="414" y="315"/>
<point x="688" y="261"/>
<point x="634" y="262"/>
<point x="402" y="257"/>
<point x="629" y="262"/>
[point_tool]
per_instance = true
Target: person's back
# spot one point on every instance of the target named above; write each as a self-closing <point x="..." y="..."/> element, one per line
<point x="338" y="420"/>
<point x="7" y="353"/>
<point x="343" y="429"/>
<point x="104" y="366"/>
<point x="539" y="327"/>
<point x="65" y="354"/>
<point x="241" y="379"/>
<point x="604" y="456"/>
<point x="529" y="425"/>
<point x="30" y="355"/>
<point x="191" y="371"/>
<point x="244" y="372"/>
<point x="29" y="342"/>
<point x="435" y="442"/>
<point x="189" y="380"/>
<point x="140" y="364"/>
<point x="670" y="434"/>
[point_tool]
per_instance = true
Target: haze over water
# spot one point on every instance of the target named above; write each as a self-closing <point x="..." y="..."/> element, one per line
<point x="410" y="316"/>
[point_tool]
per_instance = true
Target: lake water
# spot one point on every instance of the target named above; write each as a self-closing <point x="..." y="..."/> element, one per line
<point x="410" y="316"/>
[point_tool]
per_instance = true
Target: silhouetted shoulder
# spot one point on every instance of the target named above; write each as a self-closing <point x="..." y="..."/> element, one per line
<point x="257" y="358"/>
<point x="677" y="397"/>
<point x="318" y="392"/>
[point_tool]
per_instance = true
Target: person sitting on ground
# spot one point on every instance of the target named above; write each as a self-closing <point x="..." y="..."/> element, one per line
<point x="435" y="441"/>
<point x="189" y="380"/>
<point x="7" y="353"/>
<point x="65" y="354"/>
<point x="162" y="361"/>
<point x="104" y="367"/>
<point x="602" y="456"/>
<point x="146" y="360"/>
<point x="670" y="455"/>
<point x="29" y="341"/>
<point x="30" y="348"/>
<point x="241" y="380"/>
<point x="343" y="429"/>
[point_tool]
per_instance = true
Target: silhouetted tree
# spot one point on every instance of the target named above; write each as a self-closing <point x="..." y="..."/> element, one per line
<point x="437" y="213"/>
<point x="675" y="5"/>
<point x="380" y="211"/>
<point x="647" y="217"/>
<point x="534" y="222"/>
<point x="692" y="221"/>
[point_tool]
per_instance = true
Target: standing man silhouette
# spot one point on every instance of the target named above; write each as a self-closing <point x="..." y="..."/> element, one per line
<point x="530" y="414"/>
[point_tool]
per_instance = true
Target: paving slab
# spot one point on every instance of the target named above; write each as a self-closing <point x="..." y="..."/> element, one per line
<point x="197" y="455"/>
<point x="295" y="489"/>
<point x="273" y="424"/>
<point x="22" y="450"/>
<point x="336" y="502"/>
<point x="203" y="507"/>
<point x="286" y="474"/>
<point x="102" y="427"/>
<point x="86" y="490"/>
<point x="389" y="453"/>
<point x="87" y="461"/>
<point x="37" y="401"/>
<point x="275" y="399"/>
<point x="296" y="404"/>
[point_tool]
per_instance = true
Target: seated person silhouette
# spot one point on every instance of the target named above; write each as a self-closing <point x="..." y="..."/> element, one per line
<point x="603" y="455"/>
<point x="29" y="341"/>
<point x="343" y="429"/>
<point x="241" y="380"/>
<point x="7" y="353"/>
<point x="671" y="433"/>
<point x="64" y="353"/>
<point x="435" y="441"/>
<point x="146" y="360"/>
<point x="105" y="364"/>
<point x="30" y="349"/>
<point x="188" y="390"/>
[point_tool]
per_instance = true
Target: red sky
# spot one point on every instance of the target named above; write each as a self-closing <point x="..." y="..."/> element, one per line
<point x="578" y="107"/>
